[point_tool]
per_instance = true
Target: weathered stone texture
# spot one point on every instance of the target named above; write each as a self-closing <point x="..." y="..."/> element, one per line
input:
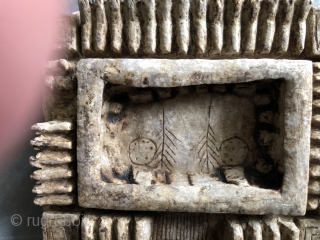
<point x="192" y="28"/>
<point x="114" y="158"/>
<point x="187" y="226"/>
<point x="56" y="160"/>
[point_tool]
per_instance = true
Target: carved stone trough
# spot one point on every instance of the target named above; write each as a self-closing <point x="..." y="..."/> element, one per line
<point x="194" y="135"/>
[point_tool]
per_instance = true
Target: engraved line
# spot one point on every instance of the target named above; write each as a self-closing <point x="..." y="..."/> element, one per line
<point x="169" y="148"/>
<point x="158" y="153"/>
<point x="170" y="140"/>
<point x="212" y="136"/>
<point x="212" y="165"/>
<point x="201" y="140"/>
<point x="201" y="158"/>
<point x="213" y="151"/>
<point x="201" y="147"/>
<point x="162" y="136"/>
<point x="170" y="155"/>
<point x="173" y="135"/>
<point x="158" y="134"/>
<point x="317" y="42"/>
<point x="168" y="160"/>
<point x="167" y="166"/>
<point x="213" y="142"/>
<point x="213" y="157"/>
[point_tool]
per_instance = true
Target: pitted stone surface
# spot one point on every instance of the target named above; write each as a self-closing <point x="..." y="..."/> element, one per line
<point x="150" y="130"/>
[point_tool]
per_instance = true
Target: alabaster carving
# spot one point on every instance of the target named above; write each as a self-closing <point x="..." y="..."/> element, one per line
<point x="140" y="117"/>
<point x="193" y="226"/>
<point x="151" y="132"/>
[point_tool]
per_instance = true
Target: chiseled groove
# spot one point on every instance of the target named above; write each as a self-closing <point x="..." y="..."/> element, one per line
<point x="100" y="28"/>
<point x="133" y="29"/>
<point x="168" y="227"/>
<point x="234" y="10"/>
<point x="180" y="226"/>
<point x="86" y="26"/>
<point x="149" y="31"/>
<point x="285" y="14"/>
<point x="216" y="26"/>
<point x="267" y="25"/>
<point x="183" y="25"/>
<point x="303" y="7"/>
<point x="200" y="22"/>
<point x="54" y="199"/>
<point x="165" y="25"/>
<point x="258" y="26"/>
<point x="174" y="225"/>
<point x="250" y="17"/>
<point x="114" y="19"/>
<point x="163" y="227"/>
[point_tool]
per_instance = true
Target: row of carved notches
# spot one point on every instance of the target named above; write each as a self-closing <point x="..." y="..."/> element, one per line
<point x="198" y="28"/>
<point x="56" y="175"/>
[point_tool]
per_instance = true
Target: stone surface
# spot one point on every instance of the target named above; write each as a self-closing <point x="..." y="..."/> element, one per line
<point x="167" y="118"/>
<point x="314" y="173"/>
<point x="244" y="157"/>
<point x="191" y="28"/>
<point x="312" y="42"/>
<point x="188" y="226"/>
<point x="55" y="178"/>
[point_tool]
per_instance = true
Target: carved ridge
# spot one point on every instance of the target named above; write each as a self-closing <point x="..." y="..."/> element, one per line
<point x="113" y="226"/>
<point x="152" y="29"/>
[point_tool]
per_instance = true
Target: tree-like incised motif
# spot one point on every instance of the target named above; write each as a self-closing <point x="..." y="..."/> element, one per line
<point x="166" y="151"/>
<point x="208" y="152"/>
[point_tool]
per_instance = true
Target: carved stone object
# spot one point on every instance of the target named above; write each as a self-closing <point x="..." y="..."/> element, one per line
<point x="182" y="119"/>
<point x="161" y="135"/>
